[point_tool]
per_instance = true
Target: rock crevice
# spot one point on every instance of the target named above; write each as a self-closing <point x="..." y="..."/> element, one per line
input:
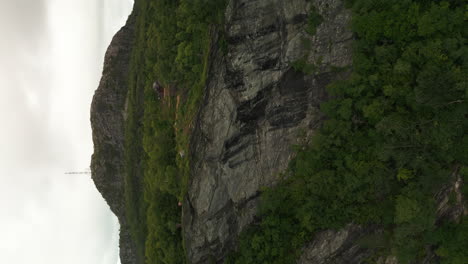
<point x="254" y="108"/>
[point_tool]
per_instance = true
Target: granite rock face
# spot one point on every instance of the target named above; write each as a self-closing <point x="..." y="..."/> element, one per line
<point x="339" y="247"/>
<point x="255" y="108"/>
<point x="107" y="122"/>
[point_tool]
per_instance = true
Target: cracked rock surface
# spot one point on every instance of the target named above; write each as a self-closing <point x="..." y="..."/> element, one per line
<point x="338" y="247"/>
<point x="255" y="107"/>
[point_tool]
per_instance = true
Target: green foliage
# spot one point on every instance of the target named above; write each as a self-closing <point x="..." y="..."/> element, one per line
<point x="451" y="242"/>
<point x="393" y="135"/>
<point x="174" y="41"/>
<point x="303" y="66"/>
<point x="313" y="21"/>
<point x="135" y="206"/>
<point x="404" y="174"/>
<point x="406" y="209"/>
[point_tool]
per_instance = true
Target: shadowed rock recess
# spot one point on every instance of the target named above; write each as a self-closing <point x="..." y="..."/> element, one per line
<point x="255" y="108"/>
<point x="107" y="122"/>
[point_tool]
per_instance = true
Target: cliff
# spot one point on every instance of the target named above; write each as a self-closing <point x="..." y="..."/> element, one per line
<point x="255" y="108"/>
<point x="107" y="122"/>
<point x="262" y="97"/>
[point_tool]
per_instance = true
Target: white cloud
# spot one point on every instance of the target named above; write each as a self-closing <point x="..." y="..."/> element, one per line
<point x="51" y="55"/>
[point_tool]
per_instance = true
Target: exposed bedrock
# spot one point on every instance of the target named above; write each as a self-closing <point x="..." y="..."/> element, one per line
<point x="255" y="108"/>
<point x="107" y="122"/>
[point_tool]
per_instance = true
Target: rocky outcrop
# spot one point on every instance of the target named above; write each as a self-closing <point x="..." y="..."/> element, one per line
<point x="107" y="122"/>
<point x="337" y="247"/>
<point x="448" y="210"/>
<point x="255" y="108"/>
<point x="344" y="246"/>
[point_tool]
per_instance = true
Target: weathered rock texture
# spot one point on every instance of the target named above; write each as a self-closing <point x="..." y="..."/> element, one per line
<point x="256" y="107"/>
<point x="338" y="247"/>
<point x="107" y="121"/>
<point x="451" y="211"/>
<point x="343" y="246"/>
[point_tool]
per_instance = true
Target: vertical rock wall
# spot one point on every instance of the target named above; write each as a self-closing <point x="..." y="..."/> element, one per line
<point x="255" y="108"/>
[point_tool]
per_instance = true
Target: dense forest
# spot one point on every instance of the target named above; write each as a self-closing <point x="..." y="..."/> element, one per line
<point x="395" y="132"/>
<point x="173" y="47"/>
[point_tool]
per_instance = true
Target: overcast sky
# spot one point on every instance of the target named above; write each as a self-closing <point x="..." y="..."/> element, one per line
<point x="51" y="54"/>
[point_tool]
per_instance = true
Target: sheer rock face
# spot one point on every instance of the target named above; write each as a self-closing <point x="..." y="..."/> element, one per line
<point x="107" y="122"/>
<point x="255" y="108"/>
